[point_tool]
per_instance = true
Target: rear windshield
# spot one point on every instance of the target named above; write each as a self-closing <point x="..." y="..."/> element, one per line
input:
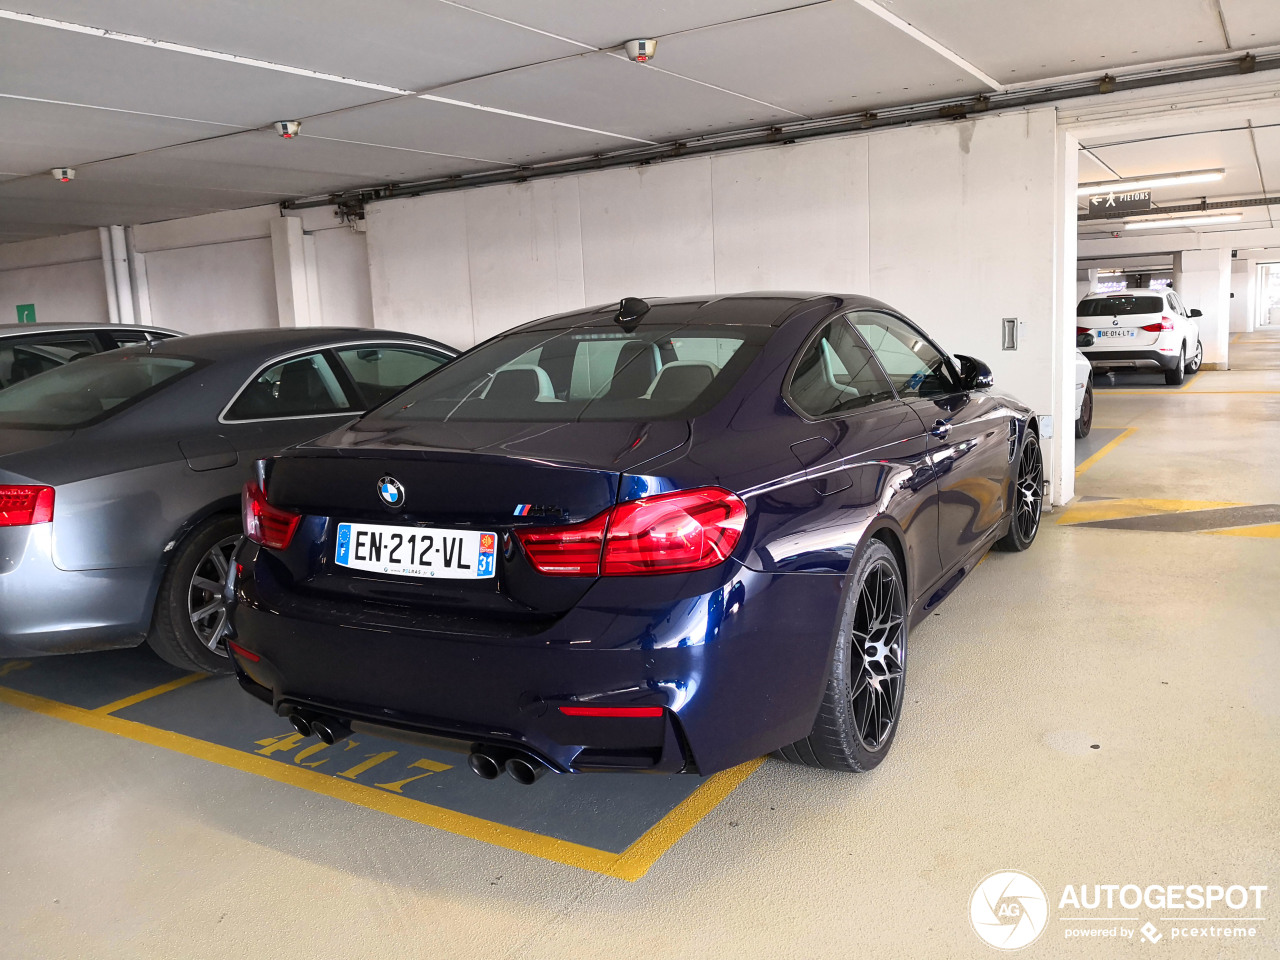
<point x="86" y="391"/>
<point x="1119" y="306"/>
<point x="655" y="373"/>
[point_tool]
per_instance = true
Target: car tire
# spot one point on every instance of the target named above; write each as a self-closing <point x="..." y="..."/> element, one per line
<point x="1176" y="374"/>
<point x="193" y="583"/>
<point x="1028" y="498"/>
<point x="861" y="706"/>
<point x="1084" y="423"/>
<point x="1197" y="358"/>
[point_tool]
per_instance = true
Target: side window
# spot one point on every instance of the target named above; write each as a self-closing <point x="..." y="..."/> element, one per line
<point x="914" y="367"/>
<point x="298" y="387"/>
<point x="25" y="358"/>
<point x="1176" y="302"/>
<point x="382" y="372"/>
<point x="836" y="374"/>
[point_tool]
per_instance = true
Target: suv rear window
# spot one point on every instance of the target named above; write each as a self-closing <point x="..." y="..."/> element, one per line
<point x="1119" y="306"/>
<point x="586" y="373"/>
<point x="84" y="392"/>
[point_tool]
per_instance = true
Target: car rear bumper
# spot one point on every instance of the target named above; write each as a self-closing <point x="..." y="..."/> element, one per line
<point x="1149" y="356"/>
<point x="738" y="669"/>
<point x="45" y="610"/>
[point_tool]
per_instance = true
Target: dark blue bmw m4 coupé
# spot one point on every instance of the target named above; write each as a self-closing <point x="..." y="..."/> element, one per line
<point x="665" y="536"/>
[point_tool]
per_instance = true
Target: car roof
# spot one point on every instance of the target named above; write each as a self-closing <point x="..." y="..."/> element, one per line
<point x="754" y="308"/>
<point x="263" y="344"/>
<point x="1135" y="292"/>
<point x="12" y="329"/>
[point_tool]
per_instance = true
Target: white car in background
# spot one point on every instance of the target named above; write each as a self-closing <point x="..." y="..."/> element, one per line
<point x="1141" y="329"/>
<point x="1084" y="396"/>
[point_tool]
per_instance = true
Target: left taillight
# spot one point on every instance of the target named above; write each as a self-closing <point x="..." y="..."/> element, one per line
<point x="670" y="533"/>
<point x="264" y="524"/>
<point x="25" y="506"/>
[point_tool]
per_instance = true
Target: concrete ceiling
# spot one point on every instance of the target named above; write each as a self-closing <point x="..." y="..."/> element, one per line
<point x="156" y="132"/>
<point x="1244" y="142"/>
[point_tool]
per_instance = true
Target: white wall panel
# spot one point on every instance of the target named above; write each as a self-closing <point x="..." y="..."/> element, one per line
<point x="65" y="293"/>
<point x="418" y="271"/>
<point x="792" y="218"/>
<point x="524" y="251"/>
<point x="962" y="236"/>
<point x="211" y="288"/>
<point x="647" y="231"/>
<point x="342" y="269"/>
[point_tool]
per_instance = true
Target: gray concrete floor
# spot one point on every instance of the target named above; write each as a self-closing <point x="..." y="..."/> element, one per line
<point x="1161" y="648"/>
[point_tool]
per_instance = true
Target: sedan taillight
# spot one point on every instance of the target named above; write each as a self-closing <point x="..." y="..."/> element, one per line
<point x="264" y="524"/>
<point x="670" y="533"/>
<point x="1164" y="324"/>
<point x="25" y="506"/>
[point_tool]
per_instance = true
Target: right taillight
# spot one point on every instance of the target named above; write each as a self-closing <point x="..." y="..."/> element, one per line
<point x="670" y="533"/>
<point x="1164" y="324"/>
<point x="264" y="524"/>
<point x="25" y="506"/>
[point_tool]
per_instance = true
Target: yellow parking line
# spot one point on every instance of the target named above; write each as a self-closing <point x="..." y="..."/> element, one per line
<point x="1157" y="392"/>
<point x="632" y="864"/>
<point x="1104" y="451"/>
<point x="148" y="694"/>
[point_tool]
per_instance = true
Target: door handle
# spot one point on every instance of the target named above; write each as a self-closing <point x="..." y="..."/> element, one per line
<point x="941" y="429"/>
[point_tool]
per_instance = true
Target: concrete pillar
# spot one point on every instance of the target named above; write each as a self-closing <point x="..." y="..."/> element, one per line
<point x="1240" y="308"/>
<point x="1202" y="279"/>
<point x="288" y="252"/>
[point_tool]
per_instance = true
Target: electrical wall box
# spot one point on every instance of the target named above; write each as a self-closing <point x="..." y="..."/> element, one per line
<point x="1046" y="426"/>
<point x="1009" y="333"/>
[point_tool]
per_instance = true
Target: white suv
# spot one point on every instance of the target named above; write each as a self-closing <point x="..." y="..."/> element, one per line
<point x="1141" y="328"/>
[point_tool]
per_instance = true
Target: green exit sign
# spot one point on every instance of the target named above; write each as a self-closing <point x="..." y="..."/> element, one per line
<point x="26" y="313"/>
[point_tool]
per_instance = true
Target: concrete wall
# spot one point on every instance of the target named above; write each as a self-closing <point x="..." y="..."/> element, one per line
<point x="956" y="224"/>
<point x="62" y="276"/>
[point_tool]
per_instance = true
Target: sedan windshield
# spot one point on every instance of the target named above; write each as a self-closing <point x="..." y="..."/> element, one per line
<point x="86" y="391"/>
<point x="1119" y="306"/>
<point x="586" y="373"/>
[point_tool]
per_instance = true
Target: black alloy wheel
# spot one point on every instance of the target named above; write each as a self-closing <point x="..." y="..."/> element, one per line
<point x="1197" y="358"/>
<point x="191" y="611"/>
<point x="1028" y="497"/>
<point x="1084" y="423"/>
<point x="859" y="715"/>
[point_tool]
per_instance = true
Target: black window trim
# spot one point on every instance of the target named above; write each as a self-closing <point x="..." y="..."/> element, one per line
<point x="344" y="379"/>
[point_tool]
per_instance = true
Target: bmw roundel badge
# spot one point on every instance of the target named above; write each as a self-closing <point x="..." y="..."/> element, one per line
<point x="391" y="492"/>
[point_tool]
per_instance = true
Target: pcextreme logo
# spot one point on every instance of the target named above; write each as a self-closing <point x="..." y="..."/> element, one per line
<point x="1009" y="910"/>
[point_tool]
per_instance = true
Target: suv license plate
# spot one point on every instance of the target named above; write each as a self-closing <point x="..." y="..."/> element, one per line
<point x="1112" y="333"/>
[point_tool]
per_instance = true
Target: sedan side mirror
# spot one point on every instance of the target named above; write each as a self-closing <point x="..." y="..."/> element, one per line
<point x="1084" y="340"/>
<point x="974" y="374"/>
<point x="1195" y="313"/>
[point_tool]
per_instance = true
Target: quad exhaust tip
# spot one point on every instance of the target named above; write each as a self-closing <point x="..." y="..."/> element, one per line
<point x="488" y="763"/>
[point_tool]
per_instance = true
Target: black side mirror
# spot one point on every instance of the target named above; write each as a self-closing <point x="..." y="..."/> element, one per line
<point x="1195" y="313"/>
<point x="1084" y="340"/>
<point x="974" y="374"/>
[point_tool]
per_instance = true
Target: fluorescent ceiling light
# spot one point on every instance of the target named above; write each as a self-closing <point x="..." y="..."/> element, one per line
<point x="1150" y="183"/>
<point x="1183" y="222"/>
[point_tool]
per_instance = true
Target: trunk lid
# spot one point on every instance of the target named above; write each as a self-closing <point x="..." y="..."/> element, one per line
<point x="465" y="477"/>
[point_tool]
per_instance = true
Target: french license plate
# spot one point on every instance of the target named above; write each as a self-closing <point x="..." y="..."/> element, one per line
<point x="417" y="552"/>
<point x="1112" y="333"/>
